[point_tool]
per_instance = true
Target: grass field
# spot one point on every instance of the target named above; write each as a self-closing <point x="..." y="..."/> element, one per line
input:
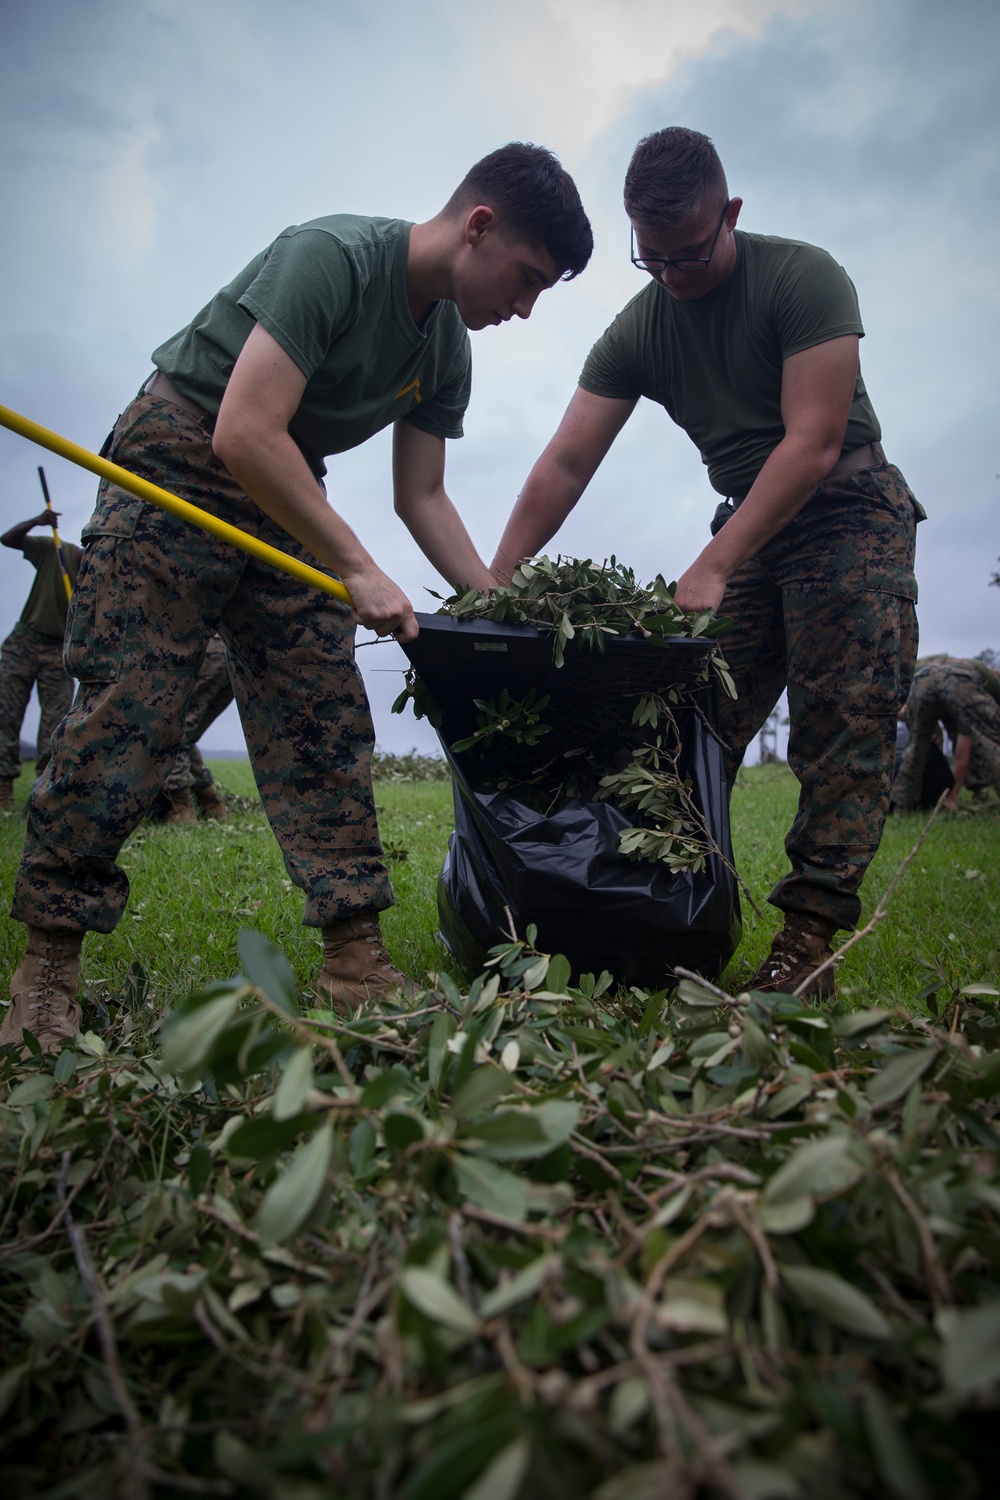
<point x="193" y="888"/>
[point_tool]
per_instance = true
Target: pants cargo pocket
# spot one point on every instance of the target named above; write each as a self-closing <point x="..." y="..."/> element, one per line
<point x="99" y="611"/>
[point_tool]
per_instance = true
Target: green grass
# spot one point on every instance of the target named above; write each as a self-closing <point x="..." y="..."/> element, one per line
<point x="193" y="888"/>
<point x="942" y="916"/>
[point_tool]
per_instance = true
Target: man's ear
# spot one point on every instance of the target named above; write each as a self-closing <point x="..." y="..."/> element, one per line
<point x="733" y="212"/>
<point x="478" y="222"/>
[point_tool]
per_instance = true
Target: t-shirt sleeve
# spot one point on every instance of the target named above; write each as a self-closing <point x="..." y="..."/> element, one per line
<point x="612" y="367"/>
<point x="442" y="413"/>
<point x="304" y="295"/>
<point x="816" y="302"/>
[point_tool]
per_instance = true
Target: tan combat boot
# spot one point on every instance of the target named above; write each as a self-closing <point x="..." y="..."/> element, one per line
<point x="43" y="990"/>
<point x="6" y="794"/>
<point x="182" y="808"/>
<point x="796" y="953"/>
<point x="356" y="967"/>
<point x="210" y="803"/>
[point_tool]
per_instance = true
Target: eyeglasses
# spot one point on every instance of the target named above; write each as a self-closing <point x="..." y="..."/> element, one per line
<point x="656" y="265"/>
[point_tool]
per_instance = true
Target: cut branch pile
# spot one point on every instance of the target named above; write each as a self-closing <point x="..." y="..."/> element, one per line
<point x="524" y="1243"/>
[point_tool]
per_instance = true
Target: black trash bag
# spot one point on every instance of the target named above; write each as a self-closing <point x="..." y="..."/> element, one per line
<point x="508" y="863"/>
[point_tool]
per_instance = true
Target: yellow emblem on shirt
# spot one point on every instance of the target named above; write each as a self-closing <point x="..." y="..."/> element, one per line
<point x="413" y="386"/>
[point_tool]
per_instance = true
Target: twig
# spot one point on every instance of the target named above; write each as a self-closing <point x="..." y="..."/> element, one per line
<point x="36" y="1239"/>
<point x="713" y="989"/>
<point x="306" y="1034"/>
<point x="877" y="914"/>
<point x="460" y="1258"/>
<point x="940" y="1288"/>
<point x="536" y="1231"/>
<point x="136" y="1485"/>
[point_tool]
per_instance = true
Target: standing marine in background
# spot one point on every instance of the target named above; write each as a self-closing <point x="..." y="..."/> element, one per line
<point x="750" y="343"/>
<point x="32" y="655"/>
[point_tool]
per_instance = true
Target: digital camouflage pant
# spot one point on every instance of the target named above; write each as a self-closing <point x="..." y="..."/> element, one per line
<point x="151" y="592"/>
<point x="826" y="609"/>
<point x="952" y="692"/>
<point x="210" y="696"/>
<point x="29" y="659"/>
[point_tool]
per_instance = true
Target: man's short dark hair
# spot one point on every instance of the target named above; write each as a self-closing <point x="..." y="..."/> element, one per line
<point x="671" y="172"/>
<point x="535" y="200"/>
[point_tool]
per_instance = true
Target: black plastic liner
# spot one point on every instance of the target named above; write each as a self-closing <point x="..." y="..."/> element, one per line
<point x="508" y="862"/>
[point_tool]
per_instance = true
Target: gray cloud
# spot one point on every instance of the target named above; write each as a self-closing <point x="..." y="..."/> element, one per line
<point x="148" y="149"/>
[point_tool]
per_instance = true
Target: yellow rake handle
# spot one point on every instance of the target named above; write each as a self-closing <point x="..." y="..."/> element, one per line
<point x="172" y="503"/>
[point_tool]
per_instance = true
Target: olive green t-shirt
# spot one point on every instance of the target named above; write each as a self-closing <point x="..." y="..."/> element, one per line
<point x="715" y="363"/>
<point x="46" y="605"/>
<point x="332" y="293"/>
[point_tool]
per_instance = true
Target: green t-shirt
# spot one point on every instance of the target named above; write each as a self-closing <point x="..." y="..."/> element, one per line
<point x="46" y="605"/>
<point x="715" y="363"/>
<point x="332" y="293"/>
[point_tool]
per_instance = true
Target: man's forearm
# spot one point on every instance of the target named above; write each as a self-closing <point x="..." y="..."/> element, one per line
<point x="274" y="474"/>
<point x="439" y="532"/>
<point x="16" y="535"/>
<point x="548" y="496"/>
<point x="790" y="476"/>
<point x="787" y="480"/>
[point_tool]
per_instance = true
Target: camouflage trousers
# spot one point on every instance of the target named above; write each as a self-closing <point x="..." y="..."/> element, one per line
<point x="210" y="696"/>
<point x="28" y="660"/>
<point x="951" y="691"/>
<point x="151" y="592"/>
<point x="826" y="609"/>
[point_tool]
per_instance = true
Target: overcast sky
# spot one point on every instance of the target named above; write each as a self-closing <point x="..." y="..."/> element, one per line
<point x="149" y="148"/>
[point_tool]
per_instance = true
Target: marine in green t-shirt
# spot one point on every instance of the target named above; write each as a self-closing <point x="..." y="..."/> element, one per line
<point x="333" y="294"/>
<point x="343" y="326"/>
<point x="750" y="344"/>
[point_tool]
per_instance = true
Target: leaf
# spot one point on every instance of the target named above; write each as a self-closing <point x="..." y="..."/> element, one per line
<point x="692" y="1306"/>
<point x="267" y="967"/>
<point x="511" y="1135"/>
<point x="558" y="975"/>
<point x="402" y="1129"/>
<point x="787" y="1216"/>
<point x="442" y="1030"/>
<point x="894" y="1459"/>
<point x="482" y="1089"/>
<point x="492" y="1188"/>
<point x="504" y="1475"/>
<point x="818" y="1167"/>
<point x="264" y="1135"/>
<point x="837" y="1300"/>
<point x="189" y="1038"/>
<point x="65" y="1066"/>
<point x="518" y="1288"/>
<point x="294" y="1086"/>
<point x="559" y="1117"/>
<point x="899" y="1075"/>
<point x="199" y="1167"/>
<point x="856" y="1021"/>
<point x="970" y="1359"/>
<point x="361" y="1149"/>
<point x="533" y="976"/>
<point x="290" y="1200"/>
<point x="386" y="1086"/>
<point x="757" y="1480"/>
<point x="438" y="1301"/>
